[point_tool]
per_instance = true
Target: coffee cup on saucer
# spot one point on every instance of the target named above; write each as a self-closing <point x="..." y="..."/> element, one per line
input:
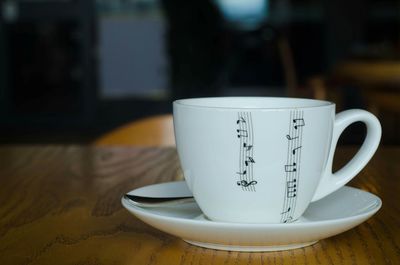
<point x="264" y="160"/>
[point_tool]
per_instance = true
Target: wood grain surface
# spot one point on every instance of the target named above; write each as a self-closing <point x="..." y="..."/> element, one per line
<point x="61" y="205"/>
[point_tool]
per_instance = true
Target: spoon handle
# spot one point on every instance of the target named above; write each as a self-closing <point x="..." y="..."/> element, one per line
<point x="156" y="202"/>
<point x="154" y="199"/>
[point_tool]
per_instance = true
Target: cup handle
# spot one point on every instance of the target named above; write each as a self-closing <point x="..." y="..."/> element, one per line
<point x="330" y="182"/>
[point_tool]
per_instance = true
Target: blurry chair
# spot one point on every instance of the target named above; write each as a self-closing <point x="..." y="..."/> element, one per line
<point x="378" y="82"/>
<point x="150" y="132"/>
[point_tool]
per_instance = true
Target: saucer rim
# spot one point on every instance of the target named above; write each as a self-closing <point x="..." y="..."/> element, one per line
<point x="306" y="223"/>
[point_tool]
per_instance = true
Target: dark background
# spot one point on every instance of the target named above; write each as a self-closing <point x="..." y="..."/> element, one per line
<point x="72" y="70"/>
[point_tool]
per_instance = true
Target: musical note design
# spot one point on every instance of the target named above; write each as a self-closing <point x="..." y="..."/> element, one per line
<point x="291" y="190"/>
<point x="288" y="220"/>
<point x="249" y="160"/>
<point x="245" y="137"/>
<point x="242" y="133"/>
<point x="244" y="183"/>
<point x="291" y="138"/>
<point x="241" y="119"/>
<point x="291" y="184"/>
<point x="294" y="150"/>
<point x="291" y="193"/>
<point x="292" y="165"/>
<point x="247" y="147"/>
<point x="291" y="168"/>
<point x="298" y="123"/>
<point x="288" y="210"/>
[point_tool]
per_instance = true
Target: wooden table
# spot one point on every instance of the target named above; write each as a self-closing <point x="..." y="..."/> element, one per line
<point x="61" y="205"/>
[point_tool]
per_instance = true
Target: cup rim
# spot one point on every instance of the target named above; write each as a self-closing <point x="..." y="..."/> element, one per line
<point x="215" y="103"/>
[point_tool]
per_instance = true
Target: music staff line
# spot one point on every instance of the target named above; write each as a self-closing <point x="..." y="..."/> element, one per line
<point x="246" y="158"/>
<point x="292" y="166"/>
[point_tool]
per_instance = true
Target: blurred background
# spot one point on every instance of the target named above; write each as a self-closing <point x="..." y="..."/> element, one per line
<point x="71" y="70"/>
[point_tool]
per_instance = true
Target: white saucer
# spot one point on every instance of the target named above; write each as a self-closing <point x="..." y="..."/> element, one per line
<point x="334" y="214"/>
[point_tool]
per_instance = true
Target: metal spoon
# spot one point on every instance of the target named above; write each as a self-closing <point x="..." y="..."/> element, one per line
<point x="148" y="202"/>
<point x="160" y="195"/>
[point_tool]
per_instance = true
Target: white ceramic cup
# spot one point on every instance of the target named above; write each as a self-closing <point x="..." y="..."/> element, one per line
<point x="263" y="160"/>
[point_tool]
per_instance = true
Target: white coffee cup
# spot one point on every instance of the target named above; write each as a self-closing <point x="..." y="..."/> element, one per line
<point x="263" y="160"/>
